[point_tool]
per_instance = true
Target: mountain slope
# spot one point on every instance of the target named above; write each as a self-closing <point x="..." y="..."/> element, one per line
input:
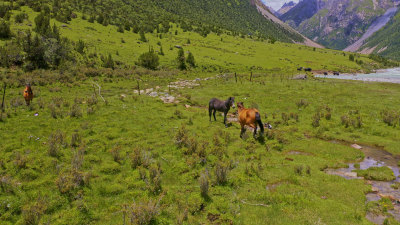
<point x="335" y="23"/>
<point x="285" y="8"/>
<point x="385" y="42"/>
<point x="264" y="11"/>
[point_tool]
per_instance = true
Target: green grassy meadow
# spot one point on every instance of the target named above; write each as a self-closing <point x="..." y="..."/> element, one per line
<point x="72" y="158"/>
<point x="91" y="173"/>
<point x="212" y="53"/>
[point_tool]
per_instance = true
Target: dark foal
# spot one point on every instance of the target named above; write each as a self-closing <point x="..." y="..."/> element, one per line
<point x="221" y="106"/>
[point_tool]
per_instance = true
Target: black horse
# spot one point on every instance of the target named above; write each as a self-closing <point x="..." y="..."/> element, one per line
<point x="307" y="69"/>
<point x="221" y="106"/>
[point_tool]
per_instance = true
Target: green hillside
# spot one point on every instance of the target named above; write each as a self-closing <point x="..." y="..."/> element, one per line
<point x="118" y="131"/>
<point x="386" y="42"/>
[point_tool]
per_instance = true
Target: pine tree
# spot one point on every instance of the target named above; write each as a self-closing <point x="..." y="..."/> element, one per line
<point x="190" y="60"/>
<point x="181" y="59"/>
<point x="142" y="36"/>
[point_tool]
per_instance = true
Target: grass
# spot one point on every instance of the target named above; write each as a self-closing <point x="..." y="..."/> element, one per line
<point x="377" y="173"/>
<point x="72" y="157"/>
<point x="92" y="178"/>
<point x="213" y="54"/>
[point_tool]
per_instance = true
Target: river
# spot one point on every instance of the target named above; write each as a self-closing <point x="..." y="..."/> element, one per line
<point x="387" y="75"/>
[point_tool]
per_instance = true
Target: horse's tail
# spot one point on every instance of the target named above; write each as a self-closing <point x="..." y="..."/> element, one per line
<point x="258" y="120"/>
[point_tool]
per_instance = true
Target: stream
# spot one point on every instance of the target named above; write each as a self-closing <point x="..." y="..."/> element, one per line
<point x="387" y="75"/>
<point x="375" y="157"/>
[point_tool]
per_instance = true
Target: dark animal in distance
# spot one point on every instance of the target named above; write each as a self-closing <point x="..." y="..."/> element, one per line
<point x="307" y="69"/>
<point x="220" y="106"/>
<point x="251" y="118"/>
<point x="325" y="73"/>
<point x="300" y="69"/>
<point x="28" y="94"/>
<point x="336" y="73"/>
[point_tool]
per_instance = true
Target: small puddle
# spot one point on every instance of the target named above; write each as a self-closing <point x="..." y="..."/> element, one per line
<point x="375" y="157"/>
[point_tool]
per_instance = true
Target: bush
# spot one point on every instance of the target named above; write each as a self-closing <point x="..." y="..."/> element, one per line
<point x="351" y="57"/>
<point x="221" y="173"/>
<point x="56" y="142"/>
<point x="391" y="118"/>
<point x="20" y="17"/>
<point x="302" y="103"/>
<point x="144" y="213"/>
<point x="5" y="31"/>
<point x="149" y="60"/>
<point x="204" y="185"/>
<point x="76" y="111"/>
<point x="155" y="179"/>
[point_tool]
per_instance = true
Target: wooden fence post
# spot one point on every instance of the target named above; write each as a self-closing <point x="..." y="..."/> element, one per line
<point x="4" y="95"/>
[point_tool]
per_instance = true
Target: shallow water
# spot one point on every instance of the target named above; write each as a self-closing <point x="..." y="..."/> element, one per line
<point x="375" y="157"/>
<point x="387" y="75"/>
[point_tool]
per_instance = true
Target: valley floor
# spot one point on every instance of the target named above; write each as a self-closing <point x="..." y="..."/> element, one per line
<point x="72" y="158"/>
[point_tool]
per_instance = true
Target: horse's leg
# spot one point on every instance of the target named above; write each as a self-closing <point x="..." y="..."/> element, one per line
<point x="226" y="125"/>
<point x="242" y="131"/>
<point x="209" y="112"/>
<point x="255" y="131"/>
<point x="215" y="119"/>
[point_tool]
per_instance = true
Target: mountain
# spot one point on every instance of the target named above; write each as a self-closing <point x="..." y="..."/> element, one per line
<point x="285" y="8"/>
<point x="263" y="9"/>
<point x="336" y="23"/>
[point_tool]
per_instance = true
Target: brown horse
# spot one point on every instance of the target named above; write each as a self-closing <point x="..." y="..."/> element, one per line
<point x="28" y="94"/>
<point x="249" y="117"/>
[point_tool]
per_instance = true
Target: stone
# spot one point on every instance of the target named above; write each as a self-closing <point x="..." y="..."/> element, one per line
<point x="356" y="146"/>
<point x="153" y="94"/>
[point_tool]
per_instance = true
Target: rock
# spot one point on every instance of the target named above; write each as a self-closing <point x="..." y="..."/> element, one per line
<point x="64" y="25"/>
<point x="158" y="87"/>
<point x="187" y="106"/>
<point x="356" y="146"/>
<point x="197" y="79"/>
<point x="300" y="77"/>
<point x="374" y="190"/>
<point x="153" y="94"/>
<point x="324" y="197"/>
<point x="178" y="46"/>
<point x="149" y="90"/>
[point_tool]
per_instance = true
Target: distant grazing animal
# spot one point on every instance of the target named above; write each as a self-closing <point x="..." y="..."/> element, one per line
<point x="336" y="73"/>
<point x="325" y="73"/>
<point x="220" y="106"/>
<point x="249" y="117"/>
<point x="28" y="94"/>
<point x="300" y="69"/>
<point x="307" y="69"/>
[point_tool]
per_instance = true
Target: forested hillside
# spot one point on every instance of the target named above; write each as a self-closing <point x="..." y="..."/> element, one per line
<point x="237" y="16"/>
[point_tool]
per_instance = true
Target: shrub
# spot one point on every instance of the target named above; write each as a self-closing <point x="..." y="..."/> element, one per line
<point x="181" y="137"/>
<point x="5" y="31"/>
<point x="351" y="57"/>
<point x="56" y="142"/>
<point x="316" y="119"/>
<point x="302" y="103"/>
<point x="391" y="118"/>
<point x="20" y="17"/>
<point x="115" y="152"/>
<point x="144" y="213"/>
<point x="76" y="139"/>
<point x="149" y="60"/>
<point x="221" y="173"/>
<point x="298" y="169"/>
<point x="32" y="212"/>
<point x="76" y="111"/>
<point x="204" y="185"/>
<point x="77" y="158"/>
<point x="155" y="179"/>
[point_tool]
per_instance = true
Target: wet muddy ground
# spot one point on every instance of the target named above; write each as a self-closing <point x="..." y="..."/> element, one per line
<point x="375" y="157"/>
